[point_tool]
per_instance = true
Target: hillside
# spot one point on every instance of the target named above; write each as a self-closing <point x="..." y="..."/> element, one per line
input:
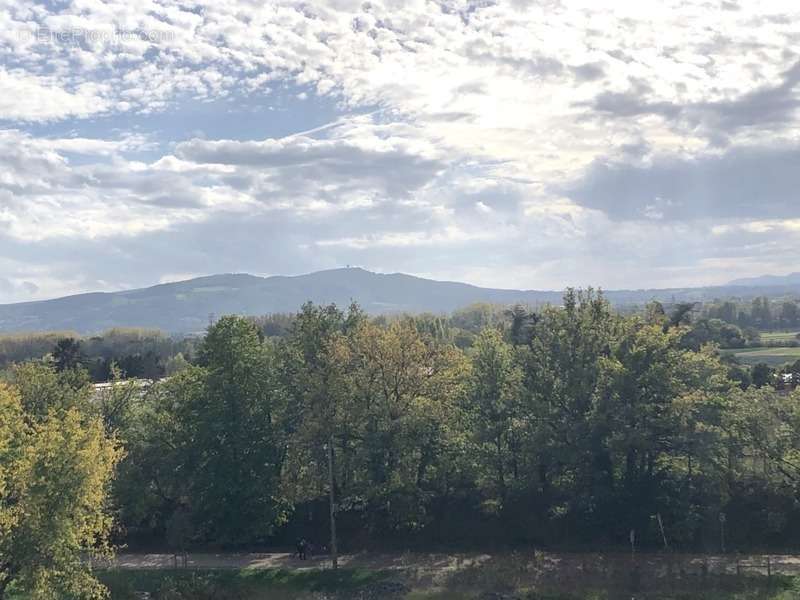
<point x="792" y="279"/>
<point x="185" y="306"/>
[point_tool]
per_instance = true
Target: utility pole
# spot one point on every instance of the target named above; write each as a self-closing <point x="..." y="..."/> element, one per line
<point x="332" y="498"/>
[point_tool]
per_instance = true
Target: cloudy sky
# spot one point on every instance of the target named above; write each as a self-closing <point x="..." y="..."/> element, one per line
<point x="509" y="143"/>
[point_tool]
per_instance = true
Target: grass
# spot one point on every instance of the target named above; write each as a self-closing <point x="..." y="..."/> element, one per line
<point x="723" y="589"/>
<point x="234" y="584"/>
<point x="276" y="584"/>
<point x="774" y="357"/>
<point x="778" y="336"/>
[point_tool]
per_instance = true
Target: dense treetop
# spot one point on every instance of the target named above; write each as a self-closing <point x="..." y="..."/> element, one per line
<point x="568" y="426"/>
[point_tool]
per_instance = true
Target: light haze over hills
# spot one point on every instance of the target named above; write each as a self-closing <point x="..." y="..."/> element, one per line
<point x="185" y="306"/>
<point x="769" y="280"/>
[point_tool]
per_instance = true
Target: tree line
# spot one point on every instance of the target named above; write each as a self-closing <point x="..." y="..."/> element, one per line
<point x="567" y="427"/>
<point x="138" y="353"/>
<point x="760" y="313"/>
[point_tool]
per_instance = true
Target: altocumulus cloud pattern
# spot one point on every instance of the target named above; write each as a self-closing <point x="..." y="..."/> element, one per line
<point x="533" y="144"/>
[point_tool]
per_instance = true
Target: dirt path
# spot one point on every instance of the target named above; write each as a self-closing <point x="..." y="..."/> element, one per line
<point x="441" y="564"/>
<point x="282" y="560"/>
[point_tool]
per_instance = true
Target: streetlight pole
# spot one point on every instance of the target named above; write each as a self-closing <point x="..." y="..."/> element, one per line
<point x="332" y="500"/>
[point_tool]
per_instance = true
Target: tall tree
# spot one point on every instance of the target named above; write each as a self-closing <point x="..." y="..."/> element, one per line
<point x="407" y="389"/>
<point x="237" y="423"/>
<point x="790" y="314"/>
<point x="67" y="354"/>
<point x="495" y="396"/>
<point x="55" y="472"/>
<point x="562" y="375"/>
<point x="44" y="389"/>
<point x="316" y="372"/>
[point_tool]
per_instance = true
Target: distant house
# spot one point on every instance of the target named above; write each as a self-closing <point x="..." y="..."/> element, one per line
<point x="99" y="390"/>
<point x="787" y="382"/>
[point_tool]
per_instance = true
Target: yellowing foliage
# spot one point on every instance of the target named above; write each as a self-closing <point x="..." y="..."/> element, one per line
<point x="55" y="472"/>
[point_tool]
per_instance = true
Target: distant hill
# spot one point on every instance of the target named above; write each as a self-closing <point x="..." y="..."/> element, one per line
<point x="791" y="279"/>
<point x="185" y="306"/>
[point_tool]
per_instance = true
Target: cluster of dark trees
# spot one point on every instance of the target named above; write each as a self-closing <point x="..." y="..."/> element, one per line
<point x="728" y="324"/>
<point x="138" y="353"/>
<point x="716" y="331"/>
<point x="150" y="354"/>
<point x="761" y="313"/>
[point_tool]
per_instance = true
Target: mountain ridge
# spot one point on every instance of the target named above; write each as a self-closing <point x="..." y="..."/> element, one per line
<point x="768" y="280"/>
<point x="184" y="306"/>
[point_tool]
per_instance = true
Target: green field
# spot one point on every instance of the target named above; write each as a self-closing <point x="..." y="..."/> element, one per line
<point x="779" y="336"/>
<point x="774" y="357"/>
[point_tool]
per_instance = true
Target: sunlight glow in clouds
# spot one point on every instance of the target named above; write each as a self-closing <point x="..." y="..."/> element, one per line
<point x="524" y="144"/>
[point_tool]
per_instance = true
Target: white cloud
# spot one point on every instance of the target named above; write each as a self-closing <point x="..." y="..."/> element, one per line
<point x="27" y="97"/>
<point x="482" y="133"/>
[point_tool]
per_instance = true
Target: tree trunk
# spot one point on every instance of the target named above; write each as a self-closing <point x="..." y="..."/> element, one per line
<point x="501" y="477"/>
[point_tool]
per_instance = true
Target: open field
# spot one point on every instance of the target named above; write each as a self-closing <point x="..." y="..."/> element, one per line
<point x="523" y="576"/>
<point x="779" y="336"/>
<point x="772" y="356"/>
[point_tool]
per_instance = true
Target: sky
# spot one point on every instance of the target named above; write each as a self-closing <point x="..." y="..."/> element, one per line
<point x="509" y="144"/>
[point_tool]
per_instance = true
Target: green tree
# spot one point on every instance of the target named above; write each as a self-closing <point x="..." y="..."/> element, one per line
<point x="315" y="375"/>
<point x="207" y="445"/>
<point x="761" y="313"/>
<point x="407" y="392"/>
<point x="762" y="375"/>
<point x="43" y="389"/>
<point x="767" y="427"/>
<point x="67" y="354"/>
<point x="705" y="331"/>
<point x="521" y="323"/>
<point x="726" y="311"/>
<point x="316" y="372"/>
<point x="495" y="397"/>
<point x="175" y="364"/>
<point x="55" y="473"/>
<point x="790" y="314"/>
<point x="237" y="425"/>
<point x="647" y="376"/>
<point x="562" y="371"/>
<point x="158" y="474"/>
<point x="681" y="315"/>
<point x="654" y="313"/>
